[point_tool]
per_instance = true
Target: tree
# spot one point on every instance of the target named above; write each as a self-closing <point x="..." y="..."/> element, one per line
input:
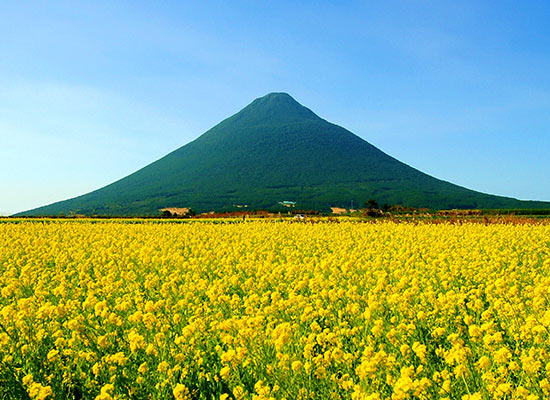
<point x="371" y="204"/>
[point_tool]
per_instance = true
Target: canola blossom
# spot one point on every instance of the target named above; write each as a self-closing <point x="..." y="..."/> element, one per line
<point x="273" y="310"/>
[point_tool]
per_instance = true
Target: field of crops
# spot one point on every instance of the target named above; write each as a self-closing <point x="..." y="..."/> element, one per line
<point x="274" y="310"/>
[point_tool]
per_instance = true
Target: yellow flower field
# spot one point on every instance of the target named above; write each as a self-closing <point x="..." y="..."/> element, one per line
<point x="265" y="309"/>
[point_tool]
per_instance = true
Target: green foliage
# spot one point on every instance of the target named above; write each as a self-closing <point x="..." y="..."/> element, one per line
<point x="274" y="150"/>
<point x="371" y="204"/>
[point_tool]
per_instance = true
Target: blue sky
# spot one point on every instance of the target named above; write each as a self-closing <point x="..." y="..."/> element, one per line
<point x="91" y="91"/>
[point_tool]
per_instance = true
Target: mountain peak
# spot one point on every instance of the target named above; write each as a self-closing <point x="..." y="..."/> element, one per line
<point x="280" y="95"/>
<point x="275" y="107"/>
<point x="278" y="100"/>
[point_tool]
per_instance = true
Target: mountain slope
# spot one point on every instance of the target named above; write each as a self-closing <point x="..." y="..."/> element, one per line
<point x="273" y="150"/>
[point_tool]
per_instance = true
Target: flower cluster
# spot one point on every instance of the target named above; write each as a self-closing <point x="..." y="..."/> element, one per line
<point x="273" y="310"/>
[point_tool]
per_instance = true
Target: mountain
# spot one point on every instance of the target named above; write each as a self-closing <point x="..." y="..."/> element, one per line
<point x="275" y="150"/>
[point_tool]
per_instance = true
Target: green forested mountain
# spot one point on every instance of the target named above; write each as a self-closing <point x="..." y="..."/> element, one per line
<point x="275" y="150"/>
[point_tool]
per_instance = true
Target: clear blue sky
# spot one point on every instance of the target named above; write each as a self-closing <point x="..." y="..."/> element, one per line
<point x="90" y="91"/>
